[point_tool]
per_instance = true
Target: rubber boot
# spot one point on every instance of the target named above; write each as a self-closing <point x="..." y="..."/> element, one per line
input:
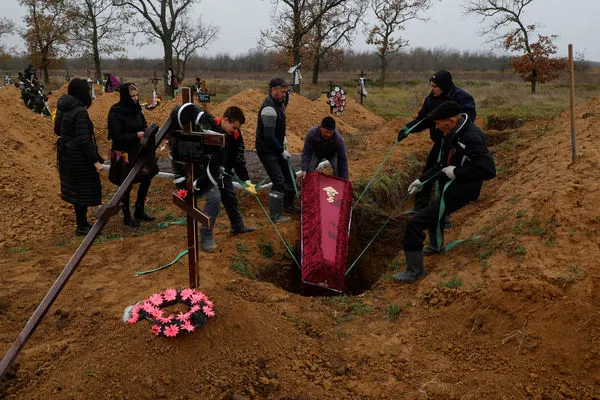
<point x="207" y="243"/>
<point x="276" y="207"/>
<point x="288" y="203"/>
<point x="234" y="231"/>
<point x="83" y="226"/>
<point x="432" y="247"/>
<point x="140" y="214"/>
<point x="414" y="268"/>
<point x="127" y="219"/>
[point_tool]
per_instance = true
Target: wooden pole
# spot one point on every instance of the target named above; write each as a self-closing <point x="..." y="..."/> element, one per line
<point x="572" y="101"/>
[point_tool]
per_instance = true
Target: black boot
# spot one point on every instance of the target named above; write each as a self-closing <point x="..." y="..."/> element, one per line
<point x="276" y="206"/>
<point x="140" y="214"/>
<point x="414" y="268"/>
<point x="433" y="247"/>
<point x="127" y="219"/>
<point x="83" y="226"/>
<point x="241" y="230"/>
<point x="288" y="203"/>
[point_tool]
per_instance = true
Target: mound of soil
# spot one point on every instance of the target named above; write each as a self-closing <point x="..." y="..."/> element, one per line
<point x="512" y="312"/>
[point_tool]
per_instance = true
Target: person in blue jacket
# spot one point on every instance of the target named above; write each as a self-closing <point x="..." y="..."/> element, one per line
<point x="442" y="89"/>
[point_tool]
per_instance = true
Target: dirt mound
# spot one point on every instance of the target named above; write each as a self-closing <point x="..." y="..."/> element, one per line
<point x="354" y="113"/>
<point x="512" y="312"/>
<point x="28" y="177"/>
<point x="64" y="89"/>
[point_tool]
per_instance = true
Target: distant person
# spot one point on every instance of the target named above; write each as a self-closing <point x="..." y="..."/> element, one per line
<point x="465" y="163"/>
<point x="77" y="153"/>
<point x="325" y="142"/>
<point x="170" y="77"/>
<point x="126" y="125"/>
<point x="442" y="90"/>
<point x="270" y="139"/>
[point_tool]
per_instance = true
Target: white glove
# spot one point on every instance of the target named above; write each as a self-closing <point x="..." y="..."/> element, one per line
<point x="449" y="171"/>
<point x="414" y="187"/>
<point x="286" y="156"/>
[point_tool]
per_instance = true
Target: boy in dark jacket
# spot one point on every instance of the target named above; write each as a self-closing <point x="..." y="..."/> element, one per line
<point x="442" y="90"/>
<point x="212" y="184"/>
<point x="465" y="163"/>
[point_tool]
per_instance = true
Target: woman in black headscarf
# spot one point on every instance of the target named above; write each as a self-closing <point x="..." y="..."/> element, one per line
<point x="126" y="125"/>
<point x="77" y="153"/>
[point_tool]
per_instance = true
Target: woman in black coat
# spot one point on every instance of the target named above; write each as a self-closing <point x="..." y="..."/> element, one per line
<point x="126" y="125"/>
<point x="77" y="154"/>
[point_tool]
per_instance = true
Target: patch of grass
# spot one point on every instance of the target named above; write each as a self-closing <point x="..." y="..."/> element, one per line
<point x="61" y="243"/>
<point x="109" y="237"/>
<point x="241" y="247"/>
<point x="392" y="312"/>
<point x="239" y="264"/>
<point x="265" y="247"/>
<point x="452" y="283"/>
<point x="349" y="305"/>
<point x="169" y="216"/>
<point x="18" y="250"/>
<point x="521" y="213"/>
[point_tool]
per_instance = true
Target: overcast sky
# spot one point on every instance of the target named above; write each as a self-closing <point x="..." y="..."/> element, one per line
<point x="240" y="22"/>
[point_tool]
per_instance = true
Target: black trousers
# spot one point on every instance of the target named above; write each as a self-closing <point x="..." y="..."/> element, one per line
<point x="427" y="219"/>
<point x="279" y="172"/>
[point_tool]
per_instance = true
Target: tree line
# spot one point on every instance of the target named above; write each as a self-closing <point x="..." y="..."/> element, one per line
<point x="311" y="33"/>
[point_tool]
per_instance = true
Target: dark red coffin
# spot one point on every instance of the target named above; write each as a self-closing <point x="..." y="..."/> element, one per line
<point x="326" y="213"/>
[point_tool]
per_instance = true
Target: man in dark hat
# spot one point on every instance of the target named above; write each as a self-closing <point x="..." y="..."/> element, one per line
<point x="465" y="163"/>
<point x="325" y="142"/>
<point x="270" y="147"/>
<point x="442" y="89"/>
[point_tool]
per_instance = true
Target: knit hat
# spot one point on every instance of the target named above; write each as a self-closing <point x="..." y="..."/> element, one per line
<point x="445" y="110"/>
<point x="443" y="79"/>
<point x="79" y="89"/>
<point x="328" y="123"/>
<point x="277" y="81"/>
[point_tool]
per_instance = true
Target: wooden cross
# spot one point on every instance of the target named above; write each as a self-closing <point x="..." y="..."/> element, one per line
<point x="361" y="76"/>
<point x="154" y="80"/>
<point x="204" y="94"/>
<point x="331" y="87"/>
<point x="193" y="215"/>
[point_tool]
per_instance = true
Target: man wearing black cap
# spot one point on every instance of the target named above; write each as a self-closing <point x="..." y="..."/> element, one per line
<point x="270" y="139"/>
<point x="465" y="163"/>
<point x="325" y="142"/>
<point x="442" y="89"/>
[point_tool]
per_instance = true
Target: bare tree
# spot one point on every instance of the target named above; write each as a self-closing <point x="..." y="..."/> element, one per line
<point x="299" y="19"/>
<point x="49" y="23"/>
<point x="159" y="21"/>
<point x="503" y="15"/>
<point x="6" y="26"/>
<point x="333" y="29"/>
<point x="391" y="16"/>
<point x="190" y="38"/>
<point x="99" y="29"/>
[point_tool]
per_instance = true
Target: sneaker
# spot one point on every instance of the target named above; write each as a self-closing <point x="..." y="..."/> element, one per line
<point x="242" y="230"/>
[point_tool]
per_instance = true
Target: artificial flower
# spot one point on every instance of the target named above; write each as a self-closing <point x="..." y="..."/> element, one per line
<point x="208" y="311"/>
<point x="171" y="330"/>
<point x="170" y="295"/>
<point x="182" y="193"/>
<point x="156" y="329"/>
<point x="156" y="299"/>
<point x="187" y="325"/>
<point x="187" y="293"/>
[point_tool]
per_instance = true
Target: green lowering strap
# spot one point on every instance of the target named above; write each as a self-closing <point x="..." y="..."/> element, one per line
<point x="285" y="244"/>
<point x="293" y="174"/>
<point x="384" y="161"/>
<point x="439" y="232"/>
<point x="177" y="258"/>
<point x="398" y="207"/>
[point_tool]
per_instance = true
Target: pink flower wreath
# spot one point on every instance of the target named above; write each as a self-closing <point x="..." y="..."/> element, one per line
<point x="200" y="310"/>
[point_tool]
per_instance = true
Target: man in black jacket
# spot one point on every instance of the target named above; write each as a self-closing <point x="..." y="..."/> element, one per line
<point x="442" y="90"/>
<point x="270" y="139"/>
<point x="465" y="163"/>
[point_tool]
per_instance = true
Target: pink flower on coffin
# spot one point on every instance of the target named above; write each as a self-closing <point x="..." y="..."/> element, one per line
<point x="171" y="330"/>
<point x="156" y="299"/>
<point x="183" y="317"/>
<point x="170" y="295"/>
<point x="188" y="326"/>
<point x="182" y="193"/>
<point x="208" y="311"/>
<point x="187" y="293"/>
<point x="155" y="329"/>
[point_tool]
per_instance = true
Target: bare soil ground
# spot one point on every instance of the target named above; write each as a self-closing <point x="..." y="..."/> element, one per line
<point x="513" y="314"/>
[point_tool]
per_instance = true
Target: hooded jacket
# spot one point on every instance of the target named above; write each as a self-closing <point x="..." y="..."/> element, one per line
<point x="125" y="120"/>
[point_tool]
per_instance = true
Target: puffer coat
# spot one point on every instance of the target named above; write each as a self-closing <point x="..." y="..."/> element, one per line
<point x="76" y="153"/>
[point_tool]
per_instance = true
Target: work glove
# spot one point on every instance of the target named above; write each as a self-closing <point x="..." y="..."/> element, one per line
<point x="251" y="188"/>
<point x="415" y="187"/>
<point x="449" y="171"/>
<point x="286" y="156"/>
<point x="403" y="133"/>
